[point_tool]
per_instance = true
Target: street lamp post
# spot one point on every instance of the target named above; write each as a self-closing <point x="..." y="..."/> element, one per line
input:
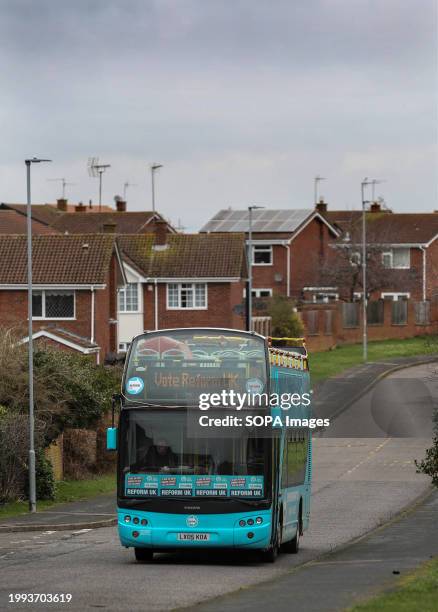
<point x="364" y="272"/>
<point x="154" y="168"/>
<point x="364" y="183"/>
<point x="32" y="477"/>
<point x="250" y="258"/>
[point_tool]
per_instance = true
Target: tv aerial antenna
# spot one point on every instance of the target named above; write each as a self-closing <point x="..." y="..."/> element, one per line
<point x="127" y="184"/>
<point x="95" y="170"/>
<point x="373" y="184"/>
<point x="316" y="182"/>
<point x="64" y="184"/>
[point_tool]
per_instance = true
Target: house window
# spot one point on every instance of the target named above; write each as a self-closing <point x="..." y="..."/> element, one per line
<point x="128" y="298"/>
<point x="356" y="258"/>
<point x="262" y="255"/>
<point x="187" y="296"/>
<point x="397" y="258"/>
<point x="395" y="297"/>
<point x="323" y="297"/>
<point x="124" y="346"/>
<point x="53" y="304"/>
<point x="259" y="293"/>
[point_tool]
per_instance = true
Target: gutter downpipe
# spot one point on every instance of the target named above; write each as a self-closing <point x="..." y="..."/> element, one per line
<point x="424" y="272"/>
<point x="92" y="313"/>
<point x="288" y="270"/>
<point x="156" y="304"/>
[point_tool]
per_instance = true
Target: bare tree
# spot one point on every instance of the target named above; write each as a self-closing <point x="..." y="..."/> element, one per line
<point x="342" y="268"/>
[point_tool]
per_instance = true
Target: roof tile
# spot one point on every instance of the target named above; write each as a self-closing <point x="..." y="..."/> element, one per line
<point x="57" y="259"/>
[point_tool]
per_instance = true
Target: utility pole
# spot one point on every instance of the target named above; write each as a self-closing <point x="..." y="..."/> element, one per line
<point x="32" y="474"/>
<point x="250" y="262"/>
<point x="154" y="168"/>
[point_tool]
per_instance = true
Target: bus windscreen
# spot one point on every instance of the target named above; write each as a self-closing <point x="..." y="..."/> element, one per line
<point x="172" y="368"/>
<point x="159" y="459"/>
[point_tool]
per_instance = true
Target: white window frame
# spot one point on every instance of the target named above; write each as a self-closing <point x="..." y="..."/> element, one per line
<point x="123" y="347"/>
<point x="43" y="305"/>
<point x="257" y="290"/>
<point x="395" y="295"/>
<point x="179" y="290"/>
<point x="390" y="253"/>
<point x="326" y="295"/>
<point x="356" y="258"/>
<point x="122" y="291"/>
<point x="264" y="248"/>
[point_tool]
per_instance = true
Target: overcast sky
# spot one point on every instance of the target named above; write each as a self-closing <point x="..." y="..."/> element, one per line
<point x="242" y="101"/>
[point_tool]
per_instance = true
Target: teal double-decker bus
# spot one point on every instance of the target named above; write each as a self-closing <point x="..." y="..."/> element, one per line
<point x="206" y="455"/>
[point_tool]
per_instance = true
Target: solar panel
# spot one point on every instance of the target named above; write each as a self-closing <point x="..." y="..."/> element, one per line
<point x="264" y="220"/>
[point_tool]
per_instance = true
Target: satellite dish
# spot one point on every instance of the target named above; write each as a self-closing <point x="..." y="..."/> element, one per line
<point x="118" y="198"/>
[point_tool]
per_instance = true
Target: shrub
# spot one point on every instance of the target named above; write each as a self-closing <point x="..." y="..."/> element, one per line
<point x="429" y="465"/>
<point x="70" y="391"/>
<point x="14" y="449"/>
<point x="286" y="322"/>
<point x="45" y="480"/>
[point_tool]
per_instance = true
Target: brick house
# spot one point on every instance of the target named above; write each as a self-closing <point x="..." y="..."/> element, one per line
<point x="288" y="247"/>
<point x="75" y="282"/>
<point x="181" y="280"/>
<point x="404" y="246"/>
<point x="76" y="219"/>
<point x="13" y="222"/>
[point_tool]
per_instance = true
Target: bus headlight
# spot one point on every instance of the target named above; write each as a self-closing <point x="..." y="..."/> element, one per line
<point x="250" y="521"/>
<point x="242" y="523"/>
<point x="127" y="519"/>
<point x="259" y="520"/>
<point x="135" y="520"/>
<point x="144" y="522"/>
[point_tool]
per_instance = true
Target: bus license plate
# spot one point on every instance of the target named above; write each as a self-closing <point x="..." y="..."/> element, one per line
<point x="194" y="537"/>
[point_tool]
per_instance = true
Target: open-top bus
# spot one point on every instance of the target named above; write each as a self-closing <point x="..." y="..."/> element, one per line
<point x="246" y="489"/>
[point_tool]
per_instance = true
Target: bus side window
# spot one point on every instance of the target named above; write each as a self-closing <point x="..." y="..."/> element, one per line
<point x="297" y="457"/>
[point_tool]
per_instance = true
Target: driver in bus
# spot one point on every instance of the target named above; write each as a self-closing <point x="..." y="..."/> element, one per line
<point x="159" y="455"/>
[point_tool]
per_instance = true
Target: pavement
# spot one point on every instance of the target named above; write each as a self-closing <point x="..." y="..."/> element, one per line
<point x="349" y="576"/>
<point x="97" y="512"/>
<point x="331" y="398"/>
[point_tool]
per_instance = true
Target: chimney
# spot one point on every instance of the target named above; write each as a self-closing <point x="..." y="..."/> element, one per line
<point x="321" y="206"/>
<point x="375" y="207"/>
<point x="80" y="207"/>
<point x="160" y="231"/>
<point x="61" y="204"/>
<point x="90" y="203"/>
<point x="109" y="227"/>
<point x="121" y="205"/>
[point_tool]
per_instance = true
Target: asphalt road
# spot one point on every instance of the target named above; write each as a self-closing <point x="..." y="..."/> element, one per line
<point x="359" y="482"/>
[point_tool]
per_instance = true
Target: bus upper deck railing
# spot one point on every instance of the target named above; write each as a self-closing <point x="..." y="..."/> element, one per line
<point x="283" y="353"/>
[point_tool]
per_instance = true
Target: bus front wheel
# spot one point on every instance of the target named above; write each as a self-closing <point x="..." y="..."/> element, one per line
<point x="143" y="555"/>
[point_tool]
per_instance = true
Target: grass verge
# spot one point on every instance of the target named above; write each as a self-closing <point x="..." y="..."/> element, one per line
<point x="66" y="491"/>
<point x="417" y="591"/>
<point x="325" y="364"/>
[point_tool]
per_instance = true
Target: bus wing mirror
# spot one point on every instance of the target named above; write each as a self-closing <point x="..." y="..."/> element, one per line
<point x="111" y="438"/>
